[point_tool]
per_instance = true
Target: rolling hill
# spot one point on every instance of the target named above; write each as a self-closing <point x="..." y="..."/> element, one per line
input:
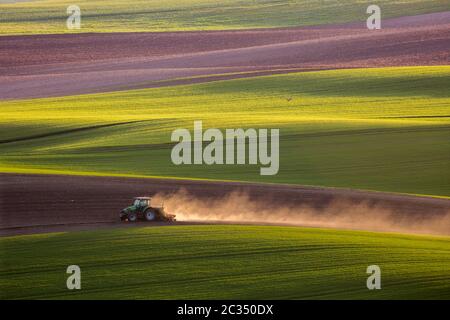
<point x="381" y="129"/>
<point x="224" y="262"/>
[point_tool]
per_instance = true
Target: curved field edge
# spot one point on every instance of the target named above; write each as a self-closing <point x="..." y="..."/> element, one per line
<point x="224" y="262"/>
<point x="381" y="129"/>
<point x="44" y="172"/>
<point x="45" y="17"/>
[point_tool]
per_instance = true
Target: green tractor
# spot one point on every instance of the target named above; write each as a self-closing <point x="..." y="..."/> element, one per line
<point x="142" y="209"/>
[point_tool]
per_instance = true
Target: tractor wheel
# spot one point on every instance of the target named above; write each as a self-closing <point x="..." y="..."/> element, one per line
<point x="132" y="217"/>
<point x="149" y="215"/>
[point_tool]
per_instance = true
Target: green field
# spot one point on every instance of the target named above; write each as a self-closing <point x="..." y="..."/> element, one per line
<point x="224" y="262"/>
<point x="380" y="129"/>
<point x="169" y="15"/>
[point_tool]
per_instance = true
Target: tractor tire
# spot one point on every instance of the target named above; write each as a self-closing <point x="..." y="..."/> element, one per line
<point x="132" y="217"/>
<point x="150" y="215"/>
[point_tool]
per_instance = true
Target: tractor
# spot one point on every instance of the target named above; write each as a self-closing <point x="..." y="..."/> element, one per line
<point x="142" y="209"/>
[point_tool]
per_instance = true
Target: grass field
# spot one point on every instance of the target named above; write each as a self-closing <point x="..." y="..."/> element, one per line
<point x="224" y="262"/>
<point x="169" y="15"/>
<point x="381" y="129"/>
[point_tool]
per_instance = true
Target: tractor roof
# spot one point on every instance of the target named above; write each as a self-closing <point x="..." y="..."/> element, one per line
<point x="143" y="198"/>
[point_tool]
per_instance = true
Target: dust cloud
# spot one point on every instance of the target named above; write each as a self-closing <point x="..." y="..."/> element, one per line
<point x="239" y="207"/>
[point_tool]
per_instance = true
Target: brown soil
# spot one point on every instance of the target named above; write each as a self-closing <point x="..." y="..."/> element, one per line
<point x="48" y="203"/>
<point x="58" y="65"/>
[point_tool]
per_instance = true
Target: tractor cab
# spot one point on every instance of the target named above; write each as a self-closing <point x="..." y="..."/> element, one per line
<point x="141" y="202"/>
